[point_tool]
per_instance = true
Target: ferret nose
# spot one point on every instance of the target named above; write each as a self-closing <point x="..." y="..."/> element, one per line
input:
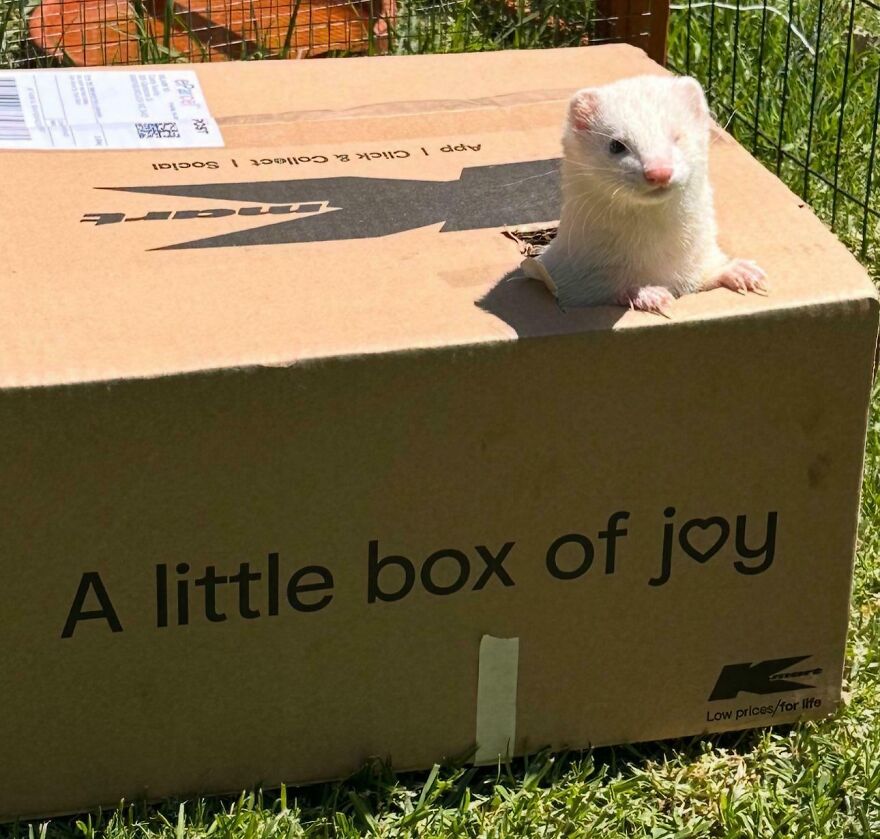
<point x="658" y="174"/>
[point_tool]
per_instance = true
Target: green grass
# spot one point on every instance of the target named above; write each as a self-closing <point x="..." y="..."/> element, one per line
<point x="815" y="779"/>
<point x="479" y="25"/>
<point x="12" y="34"/>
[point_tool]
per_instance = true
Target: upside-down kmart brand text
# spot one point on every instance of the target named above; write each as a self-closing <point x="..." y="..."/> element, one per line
<point x="356" y="207"/>
<point x="184" y="593"/>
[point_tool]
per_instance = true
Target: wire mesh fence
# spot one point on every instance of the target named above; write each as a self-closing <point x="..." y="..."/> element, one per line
<point x="798" y="83"/>
<point x="94" y="32"/>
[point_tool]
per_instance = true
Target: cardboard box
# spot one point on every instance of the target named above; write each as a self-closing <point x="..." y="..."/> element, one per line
<point x="286" y="462"/>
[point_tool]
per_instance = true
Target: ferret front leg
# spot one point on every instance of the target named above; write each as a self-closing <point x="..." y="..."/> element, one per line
<point x="649" y="298"/>
<point x="739" y="275"/>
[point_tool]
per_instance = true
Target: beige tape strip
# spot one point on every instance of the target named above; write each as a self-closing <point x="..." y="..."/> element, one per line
<point x="496" y="698"/>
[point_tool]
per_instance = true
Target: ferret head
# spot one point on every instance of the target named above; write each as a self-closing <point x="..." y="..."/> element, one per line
<point x="643" y="139"/>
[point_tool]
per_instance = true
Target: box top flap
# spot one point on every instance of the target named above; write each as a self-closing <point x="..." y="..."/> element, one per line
<point x="357" y="207"/>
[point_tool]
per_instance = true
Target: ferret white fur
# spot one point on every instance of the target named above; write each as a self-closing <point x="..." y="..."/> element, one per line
<point x="637" y="225"/>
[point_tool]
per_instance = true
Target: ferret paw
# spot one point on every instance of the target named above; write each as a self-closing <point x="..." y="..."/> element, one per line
<point x="741" y="276"/>
<point x="649" y="298"/>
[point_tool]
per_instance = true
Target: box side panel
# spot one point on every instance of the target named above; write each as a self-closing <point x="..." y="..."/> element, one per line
<point x="267" y="576"/>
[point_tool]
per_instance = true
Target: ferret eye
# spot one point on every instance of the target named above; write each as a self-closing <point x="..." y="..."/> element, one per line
<point x="616" y="147"/>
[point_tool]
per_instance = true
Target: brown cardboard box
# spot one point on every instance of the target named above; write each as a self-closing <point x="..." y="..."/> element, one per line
<point x="272" y="480"/>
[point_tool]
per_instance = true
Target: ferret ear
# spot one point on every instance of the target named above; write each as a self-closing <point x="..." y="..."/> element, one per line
<point x="583" y="108"/>
<point x="693" y="93"/>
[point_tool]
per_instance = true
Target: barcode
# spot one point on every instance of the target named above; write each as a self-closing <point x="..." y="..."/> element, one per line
<point x="12" y="124"/>
<point x="157" y="130"/>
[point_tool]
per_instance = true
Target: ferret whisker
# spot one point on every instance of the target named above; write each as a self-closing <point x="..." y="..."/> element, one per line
<point x="584" y="168"/>
<point x="603" y="134"/>
<point x="580" y="200"/>
<point x="587" y="216"/>
<point x="581" y="206"/>
<point x="529" y="178"/>
<point x="581" y="165"/>
<point x="583" y="198"/>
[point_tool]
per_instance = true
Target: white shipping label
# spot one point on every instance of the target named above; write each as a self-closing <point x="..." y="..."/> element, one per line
<point x="113" y="109"/>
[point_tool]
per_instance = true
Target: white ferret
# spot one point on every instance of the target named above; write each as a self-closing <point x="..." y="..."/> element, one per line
<point x="637" y="225"/>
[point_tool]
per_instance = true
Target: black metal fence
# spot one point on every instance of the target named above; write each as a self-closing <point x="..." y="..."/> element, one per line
<point x="798" y="83"/>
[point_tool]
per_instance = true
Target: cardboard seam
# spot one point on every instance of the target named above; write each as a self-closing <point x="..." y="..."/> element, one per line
<point x="817" y="308"/>
<point x="414" y="107"/>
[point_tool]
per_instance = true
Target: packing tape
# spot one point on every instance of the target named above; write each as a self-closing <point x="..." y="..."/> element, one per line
<point x="496" y="698"/>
